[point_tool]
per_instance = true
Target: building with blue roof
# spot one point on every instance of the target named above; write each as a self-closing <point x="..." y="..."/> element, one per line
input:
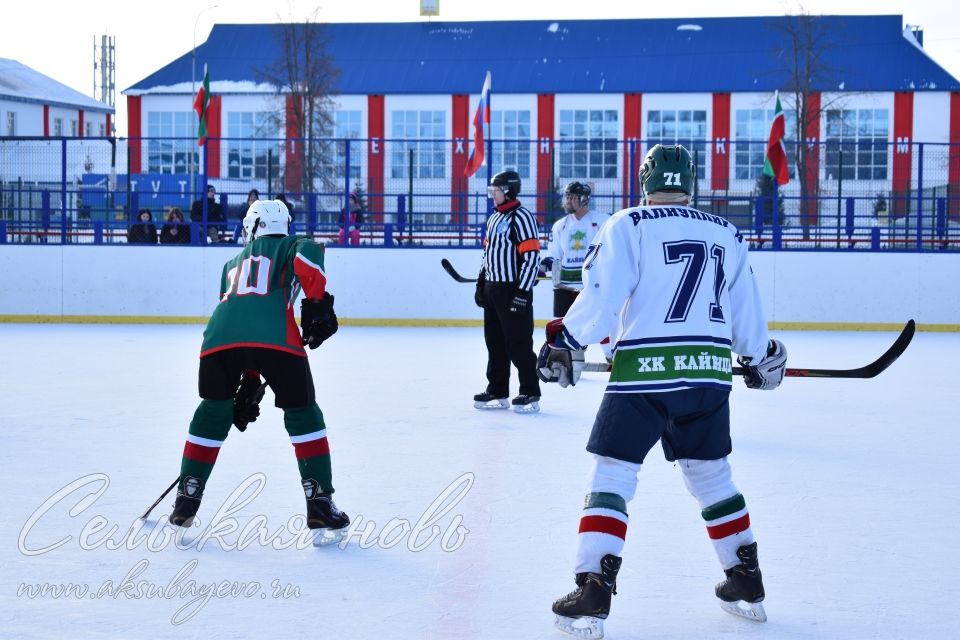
<point x="34" y="104"/>
<point x="571" y="100"/>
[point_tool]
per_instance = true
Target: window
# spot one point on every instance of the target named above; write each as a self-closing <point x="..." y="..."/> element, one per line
<point x="588" y="143"/>
<point x="861" y="136"/>
<point x="11" y="123"/>
<point x="87" y="129"/>
<point x="421" y="132"/>
<point x="510" y="131"/>
<point x="346" y="125"/>
<point x="751" y="131"/>
<point x="73" y="128"/>
<point x="247" y="152"/>
<point x="58" y="126"/>
<point x="103" y="129"/>
<point x="688" y="128"/>
<point x="172" y="147"/>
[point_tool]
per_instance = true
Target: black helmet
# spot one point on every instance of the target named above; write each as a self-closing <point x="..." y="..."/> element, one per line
<point x="508" y="182"/>
<point x="581" y="189"/>
<point x="667" y="168"/>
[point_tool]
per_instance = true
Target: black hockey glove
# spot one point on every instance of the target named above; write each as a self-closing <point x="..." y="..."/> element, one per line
<point x="317" y="320"/>
<point x="768" y="373"/>
<point x="478" y="293"/>
<point x="520" y="301"/>
<point x="246" y="401"/>
<point x="558" y="360"/>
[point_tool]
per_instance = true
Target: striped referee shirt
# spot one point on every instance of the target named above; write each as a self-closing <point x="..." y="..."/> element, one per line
<point x="511" y="250"/>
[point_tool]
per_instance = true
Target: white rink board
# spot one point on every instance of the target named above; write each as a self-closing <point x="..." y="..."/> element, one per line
<point x="409" y="284"/>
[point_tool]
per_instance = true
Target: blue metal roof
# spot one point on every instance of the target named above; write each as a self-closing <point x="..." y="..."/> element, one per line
<point x="865" y="53"/>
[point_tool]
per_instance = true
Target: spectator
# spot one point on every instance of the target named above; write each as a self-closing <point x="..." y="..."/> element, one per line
<point x="355" y="220"/>
<point x="214" y="210"/>
<point x="175" y="230"/>
<point x="282" y="198"/>
<point x="252" y="196"/>
<point x="143" y="231"/>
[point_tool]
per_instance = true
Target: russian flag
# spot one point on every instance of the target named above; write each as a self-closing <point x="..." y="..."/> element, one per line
<point x="481" y="117"/>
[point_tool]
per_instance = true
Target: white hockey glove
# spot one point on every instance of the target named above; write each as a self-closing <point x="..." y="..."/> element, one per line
<point x="556" y="364"/>
<point x="768" y="373"/>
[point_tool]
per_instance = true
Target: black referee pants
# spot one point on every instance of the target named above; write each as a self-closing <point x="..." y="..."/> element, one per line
<point x="509" y="338"/>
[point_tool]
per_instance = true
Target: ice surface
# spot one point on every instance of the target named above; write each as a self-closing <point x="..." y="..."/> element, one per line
<point x="852" y="488"/>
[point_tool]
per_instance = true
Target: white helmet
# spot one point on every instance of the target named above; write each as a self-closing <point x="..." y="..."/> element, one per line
<point x="266" y="218"/>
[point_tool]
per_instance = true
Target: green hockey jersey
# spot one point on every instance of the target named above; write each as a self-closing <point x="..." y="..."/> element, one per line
<point x="258" y="289"/>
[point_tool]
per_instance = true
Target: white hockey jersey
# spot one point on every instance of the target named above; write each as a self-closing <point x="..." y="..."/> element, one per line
<point x="569" y="240"/>
<point x="673" y="288"/>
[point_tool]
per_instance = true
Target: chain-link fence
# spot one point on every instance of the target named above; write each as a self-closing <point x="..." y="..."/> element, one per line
<point x="868" y="195"/>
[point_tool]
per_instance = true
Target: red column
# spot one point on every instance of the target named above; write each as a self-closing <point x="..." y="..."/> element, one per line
<point x="108" y="131"/>
<point x="46" y="120"/>
<point x="460" y="109"/>
<point x="134" y="132"/>
<point x="79" y="123"/>
<point x="545" y="123"/>
<point x="632" y="114"/>
<point x="902" y="150"/>
<point x="953" y="162"/>
<point x="720" y="153"/>
<point x="293" y="152"/>
<point x="809" y="208"/>
<point x="375" y="154"/>
<point x="214" y="131"/>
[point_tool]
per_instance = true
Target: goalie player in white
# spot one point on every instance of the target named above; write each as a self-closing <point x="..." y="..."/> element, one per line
<point x="673" y="286"/>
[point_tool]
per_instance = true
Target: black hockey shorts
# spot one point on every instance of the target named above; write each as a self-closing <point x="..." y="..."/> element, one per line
<point x="287" y="374"/>
<point x="562" y="300"/>
<point x="690" y="424"/>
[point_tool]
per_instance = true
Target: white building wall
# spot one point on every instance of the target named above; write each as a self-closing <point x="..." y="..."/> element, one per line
<point x="28" y="117"/>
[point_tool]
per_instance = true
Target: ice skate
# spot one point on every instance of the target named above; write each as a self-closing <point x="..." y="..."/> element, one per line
<point x="185" y="507"/>
<point x="526" y="404"/>
<point x="323" y="516"/>
<point x="487" y="400"/>
<point x="742" y="592"/>
<point x="581" y="613"/>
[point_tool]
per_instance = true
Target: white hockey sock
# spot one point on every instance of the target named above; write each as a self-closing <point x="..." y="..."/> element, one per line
<point x="723" y="509"/>
<point x="603" y="523"/>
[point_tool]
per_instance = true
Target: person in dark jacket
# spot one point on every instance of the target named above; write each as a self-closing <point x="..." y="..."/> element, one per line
<point x="215" y="215"/>
<point x="175" y="230"/>
<point x="356" y="219"/>
<point x="143" y="231"/>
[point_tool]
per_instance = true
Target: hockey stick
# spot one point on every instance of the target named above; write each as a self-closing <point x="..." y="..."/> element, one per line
<point x="867" y="371"/>
<point x="453" y="273"/>
<point x="162" y="496"/>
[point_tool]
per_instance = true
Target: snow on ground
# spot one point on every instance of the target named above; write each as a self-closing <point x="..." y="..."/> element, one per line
<point x="851" y="486"/>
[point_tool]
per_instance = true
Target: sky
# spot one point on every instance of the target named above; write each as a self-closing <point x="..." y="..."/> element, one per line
<point x="57" y="39"/>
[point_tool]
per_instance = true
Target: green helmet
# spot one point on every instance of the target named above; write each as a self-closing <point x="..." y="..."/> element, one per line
<point x="667" y="168"/>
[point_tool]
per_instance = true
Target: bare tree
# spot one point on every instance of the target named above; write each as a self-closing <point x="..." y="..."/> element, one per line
<point x="305" y="77"/>
<point x="808" y="43"/>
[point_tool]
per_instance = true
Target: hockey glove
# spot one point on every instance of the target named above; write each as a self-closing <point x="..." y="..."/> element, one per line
<point x="546" y="266"/>
<point x="520" y="301"/>
<point x="478" y="293"/>
<point x="317" y="320"/>
<point x="557" y="364"/>
<point x="246" y="401"/>
<point x="768" y="373"/>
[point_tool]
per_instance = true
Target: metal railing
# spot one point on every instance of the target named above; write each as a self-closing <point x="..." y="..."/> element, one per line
<point x="866" y="195"/>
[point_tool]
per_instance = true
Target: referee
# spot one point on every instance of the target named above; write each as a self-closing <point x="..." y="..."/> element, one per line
<point x="508" y="271"/>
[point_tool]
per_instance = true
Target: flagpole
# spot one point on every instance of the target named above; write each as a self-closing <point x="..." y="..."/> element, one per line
<point x="193" y="92"/>
<point x="489" y="133"/>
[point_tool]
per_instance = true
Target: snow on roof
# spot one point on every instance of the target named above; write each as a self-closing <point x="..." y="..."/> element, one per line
<point x="20" y="82"/>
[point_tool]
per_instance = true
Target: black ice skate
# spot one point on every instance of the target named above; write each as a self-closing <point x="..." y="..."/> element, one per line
<point x="323" y="515"/>
<point x="487" y="400"/>
<point x="526" y="404"/>
<point x="581" y="612"/>
<point x="742" y="592"/>
<point x="189" y="493"/>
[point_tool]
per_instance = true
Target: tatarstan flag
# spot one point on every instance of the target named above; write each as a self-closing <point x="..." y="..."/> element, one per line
<point x="775" y="162"/>
<point x="200" y="106"/>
